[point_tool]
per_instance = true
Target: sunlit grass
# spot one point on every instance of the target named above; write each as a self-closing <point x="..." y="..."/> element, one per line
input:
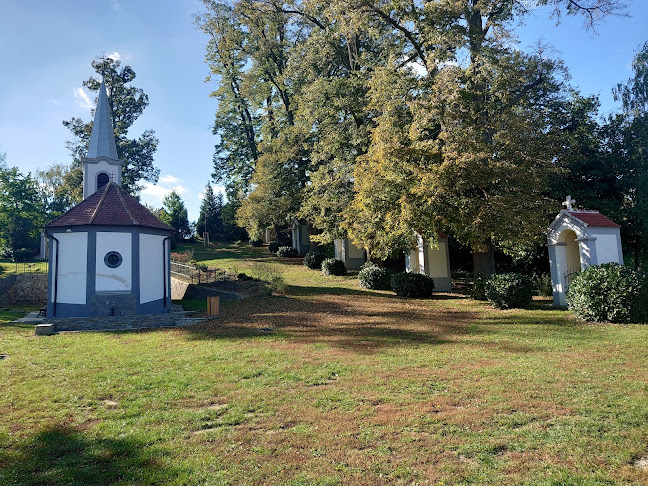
<point x="328" y="384"/>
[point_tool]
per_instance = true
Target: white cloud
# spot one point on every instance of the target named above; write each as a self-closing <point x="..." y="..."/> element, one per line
<point x="159" y="193"/>
<point x="82" y="98"/>
<point x="115" y="56"/>
<point x="168" y="179"/>
<point x="116" y="6"/>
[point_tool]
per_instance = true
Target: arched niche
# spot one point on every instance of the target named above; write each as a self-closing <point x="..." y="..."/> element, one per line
<point x="102" y="180"/>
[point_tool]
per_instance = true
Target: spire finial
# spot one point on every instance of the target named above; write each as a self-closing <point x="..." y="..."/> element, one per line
<point x="569" y="202"/>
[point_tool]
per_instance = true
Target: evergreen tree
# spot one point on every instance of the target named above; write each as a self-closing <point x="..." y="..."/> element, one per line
<point x="210" y="218"/>
<point x="174" y="213"/>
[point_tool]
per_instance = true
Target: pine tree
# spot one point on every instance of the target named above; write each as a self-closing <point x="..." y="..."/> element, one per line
<point x="210" y="218"/>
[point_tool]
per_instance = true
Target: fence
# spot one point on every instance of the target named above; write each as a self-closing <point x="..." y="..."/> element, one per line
<point x="194" y="274"/>
<point x="40" y="266"/>
<point x="569" y="276"/>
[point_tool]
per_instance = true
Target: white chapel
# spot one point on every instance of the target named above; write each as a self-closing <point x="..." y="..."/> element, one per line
<point x="109" y="255"/>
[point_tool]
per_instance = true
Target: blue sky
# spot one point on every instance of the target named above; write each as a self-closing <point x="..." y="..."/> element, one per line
<point x="46" y="47"/>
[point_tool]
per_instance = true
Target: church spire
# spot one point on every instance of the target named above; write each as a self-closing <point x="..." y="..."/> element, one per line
<point x="102" y="164"/>
<point x="102" y="140"/>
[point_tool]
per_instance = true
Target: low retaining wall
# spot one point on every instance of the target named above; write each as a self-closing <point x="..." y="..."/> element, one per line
<point x="183" y="290"/>
<point x="175" y="318"/>
<point x="25" y="288"/>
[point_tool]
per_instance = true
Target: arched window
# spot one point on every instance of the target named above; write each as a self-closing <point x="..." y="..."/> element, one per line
<point x="102" y="180"/>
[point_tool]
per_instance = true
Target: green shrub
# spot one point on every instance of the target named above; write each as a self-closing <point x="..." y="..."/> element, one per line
<point x="609" y="292"/>
<point x="287" y="252"/>
<point x="314" y="259"/>
<point x="410" y="284"/>
<point x="273" y="246"/>
<point x="507" y="290"/>
<point x="256" y="242"/>
<point x="542" y="285"/>
<point x="333" y="266"/>
<point x="478" y="291"/>
<point x="373" y="277"/>
<point x="22" y="255"/>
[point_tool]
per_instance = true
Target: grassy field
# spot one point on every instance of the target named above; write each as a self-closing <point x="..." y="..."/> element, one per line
<point x="328" y="384"/>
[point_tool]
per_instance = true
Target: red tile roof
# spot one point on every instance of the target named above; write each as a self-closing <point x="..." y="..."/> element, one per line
<point x="594" y="218"/>
<point x="112" y="206"/>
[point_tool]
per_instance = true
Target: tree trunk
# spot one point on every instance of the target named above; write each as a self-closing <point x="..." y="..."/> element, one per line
<point x="484" y="262"/>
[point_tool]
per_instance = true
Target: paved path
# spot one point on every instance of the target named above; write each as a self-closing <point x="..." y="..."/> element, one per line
<point x="31" y="318"/>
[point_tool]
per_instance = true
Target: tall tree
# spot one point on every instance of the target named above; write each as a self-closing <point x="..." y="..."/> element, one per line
<point x="470" y="145"/>
<point x="210" y="218"/>
<point x="127" y="103"/>
<point x="174" y="213"/>
<point x="21" y="209"/>
<point x="54" y="188"/>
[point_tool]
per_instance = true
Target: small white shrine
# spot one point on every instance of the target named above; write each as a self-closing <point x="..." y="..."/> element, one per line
<point x="433" y="259"/>
<point x="109" y="255"/>
<point x="352" y="256"/>
<point x="576" y="240"/>
<point x="300" y="236"/>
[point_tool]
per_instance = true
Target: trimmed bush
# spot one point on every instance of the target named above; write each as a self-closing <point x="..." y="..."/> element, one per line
<point x="273" y="246"/>
<point x="542" y="285"/>
<point x="287" y="252"/>
<point x="373" y="277"/>
<point x="256" y="242"/>
<point x="22" y="255"/>
<point x="609" y="292"/>
<point x="314" y="259"/>
<point x="478" y="291"/>
<point x="507" y="290"/>
<point x="410" y="284"/>
<point x="333" y="266"/>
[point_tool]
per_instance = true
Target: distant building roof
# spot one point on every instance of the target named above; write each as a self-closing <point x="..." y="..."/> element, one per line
<point x="102" y="139"/>
<point x="593" y="218"/>
<point x="109" y="206"/>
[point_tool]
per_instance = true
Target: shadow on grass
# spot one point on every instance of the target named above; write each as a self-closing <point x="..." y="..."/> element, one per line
<point x="64" y="455"/>
<point x="358" y="320"/>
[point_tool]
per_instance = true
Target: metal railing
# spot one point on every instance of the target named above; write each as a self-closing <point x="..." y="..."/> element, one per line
<point x="40" y="266"/>
<point x="195" y="274"/>
<point x="569" y="276"/>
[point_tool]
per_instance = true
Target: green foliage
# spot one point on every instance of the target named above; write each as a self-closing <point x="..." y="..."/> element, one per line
<point x="333" y="266"/>
<point x="174" y="213"/>
<point x="478" y="291"/>
<point x="22" y="255"/>
<point x="371" y="276"/>
<point x="609" y="292"/>
<point x="509" y="290"/>
<point x="127" y="103"/>
<point x="256" y="242"/>
<point x="21" y="209"/>
<point x="542" y="285"/>
<point x="411" y="284"/>
<point x="287" y="252"/>
<point x="210" y="219"/>
<point x="273" y="246"/>
<point x="314" y="259"/>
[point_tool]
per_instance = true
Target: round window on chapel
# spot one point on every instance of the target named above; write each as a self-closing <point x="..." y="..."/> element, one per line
<point x="113" y="259"/>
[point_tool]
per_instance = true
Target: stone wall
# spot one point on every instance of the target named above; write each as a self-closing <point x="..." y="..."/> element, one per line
<point x="28" y="288"/>
<point x="178" y="288"/>
<point x="183" y="290"/>
<point x="175" y="318"/>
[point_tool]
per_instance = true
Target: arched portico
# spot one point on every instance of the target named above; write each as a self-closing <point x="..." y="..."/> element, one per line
<point x="577" y="240"/>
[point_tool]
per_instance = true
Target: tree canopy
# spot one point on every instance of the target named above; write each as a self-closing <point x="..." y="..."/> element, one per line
<point x="378" y="120"/>
<point x="127" y="103"/>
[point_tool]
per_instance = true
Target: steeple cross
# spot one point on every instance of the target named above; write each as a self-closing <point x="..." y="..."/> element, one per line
<point x="113" y="176"/>
<point x="569" y="203"/>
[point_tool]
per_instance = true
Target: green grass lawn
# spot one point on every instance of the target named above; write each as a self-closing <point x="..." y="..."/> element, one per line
<point x="328" y="384"/>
